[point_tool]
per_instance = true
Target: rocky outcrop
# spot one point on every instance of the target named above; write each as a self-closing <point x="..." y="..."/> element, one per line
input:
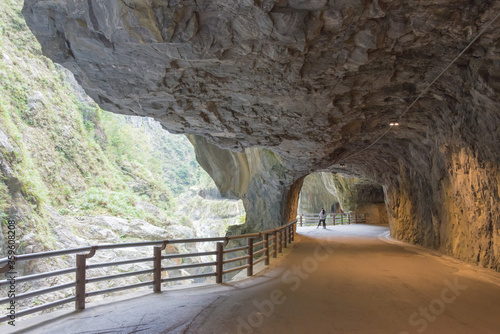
<point x="257" y="176"/>
<point x="318" y="191"/>
<point x="208" y="216"/>
<point x="361" y="196"/>
<point x="349" y="194"/>
<point x="313" y="84"/>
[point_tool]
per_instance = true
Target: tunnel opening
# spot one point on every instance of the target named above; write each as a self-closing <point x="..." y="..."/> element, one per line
<point x="266" y="79"/>
<point x="342" y="193"/>
<point x="318" y="192"/>
<point x="264" y="100"/>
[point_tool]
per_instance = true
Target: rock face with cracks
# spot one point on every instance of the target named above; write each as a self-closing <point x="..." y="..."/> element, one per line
<point x="313" y="82"/>
<point x="318" y="191"/>
<point x="254" y="175"/>
<point x="361" y="196"/>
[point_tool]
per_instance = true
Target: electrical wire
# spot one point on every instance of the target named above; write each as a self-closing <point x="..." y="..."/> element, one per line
<point x="427" y="88"/>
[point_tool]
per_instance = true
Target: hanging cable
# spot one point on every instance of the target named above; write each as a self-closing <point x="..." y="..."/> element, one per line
<point x="427" y="88"/>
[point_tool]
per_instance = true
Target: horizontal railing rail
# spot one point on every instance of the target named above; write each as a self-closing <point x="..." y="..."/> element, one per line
<point x="26" y="257"/>
<point x="257" y="249"/>
<point x="39" y="276"/>
<point x="118" y="263"/>
<point x="119" y="288"/>
<point x="333" y="218"/>
<point x="175" y="256"/>
<point x="39" y="292"/>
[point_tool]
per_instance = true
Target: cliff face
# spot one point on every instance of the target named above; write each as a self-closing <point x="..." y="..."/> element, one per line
<point x="63" y="160"/>
<point x="454" y="207"/>
<point x="313" y="82"/>
<point x="72" y="175"/>
<point x="350" y="194"/>
<point x="318" y="191"/>
<point x="256" y="176"/>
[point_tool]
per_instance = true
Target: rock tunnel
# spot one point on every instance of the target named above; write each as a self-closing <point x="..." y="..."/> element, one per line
<point x="270" y="91"/>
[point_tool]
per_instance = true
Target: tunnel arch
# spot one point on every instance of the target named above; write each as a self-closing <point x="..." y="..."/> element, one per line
<point x="290" y="90"/>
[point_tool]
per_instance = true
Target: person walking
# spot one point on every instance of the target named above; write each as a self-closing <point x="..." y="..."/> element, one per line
<point x="322" y="218"/>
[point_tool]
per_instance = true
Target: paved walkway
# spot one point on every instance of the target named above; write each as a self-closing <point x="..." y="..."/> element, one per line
<point x="345" y="279"/>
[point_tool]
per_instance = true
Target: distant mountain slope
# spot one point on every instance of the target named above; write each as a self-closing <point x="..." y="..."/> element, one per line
<point x="60" y="153"/>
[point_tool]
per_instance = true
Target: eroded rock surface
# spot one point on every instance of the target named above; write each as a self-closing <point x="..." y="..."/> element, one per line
<point x="256" y="176"/>
<point x="314" y="82"/>
<point x="318" y="191"/>
<point x="361" y="196"/>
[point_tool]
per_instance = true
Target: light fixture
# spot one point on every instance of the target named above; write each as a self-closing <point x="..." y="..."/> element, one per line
<point x="393" y="123"/>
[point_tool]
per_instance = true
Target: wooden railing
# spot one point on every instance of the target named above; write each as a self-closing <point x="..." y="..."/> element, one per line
<point x="332" y="218"/>
<point x="259" y="247"/>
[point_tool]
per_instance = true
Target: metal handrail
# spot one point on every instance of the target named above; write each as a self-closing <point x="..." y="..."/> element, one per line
<point x="260" y="251"/>
<point x="235" y="249"/>
<point x="274" y="239"/>
<point x="249" y="235"/>
<point x="180" y="278"/>
<point x="40" y="308"/>
<point x="236" y="268"/>
<point x="118" y="263"/>
<point x="259" y="243"/>
<point x="187" y="266"/>
<point x="260" y="260"/>
<point x="39" y="292"/>
<point x="237" y="259"/>
<point x="34" y="256"/>
<point x="26" y="257"/>
<point x="40" y="276"/>
<point x="116" y="289"/>
<point x="176" y="256"/>
<point x="186" y="241"/>
<point x="110" y="277"/>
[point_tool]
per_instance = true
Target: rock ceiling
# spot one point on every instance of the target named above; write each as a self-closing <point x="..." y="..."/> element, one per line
<point x="316" y="82"/>
<point x="313" y="80"/>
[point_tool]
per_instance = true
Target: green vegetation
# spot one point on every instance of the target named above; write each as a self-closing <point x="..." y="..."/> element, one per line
<point x="96" y="200"/>
<point x="61" y="153"/>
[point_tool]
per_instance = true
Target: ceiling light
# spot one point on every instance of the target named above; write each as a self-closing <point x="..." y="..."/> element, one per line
<point x="394" y="124"/>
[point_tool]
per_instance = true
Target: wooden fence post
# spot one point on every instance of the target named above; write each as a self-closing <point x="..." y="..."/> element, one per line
<point x="219" y="267"/>
<point x="275" y="250"/>
<point x="301" y="219"/>
<point x="157" y="269"/>
<point x="266" y="237"/>
<point x="285" y="237"/>
<point x="334" y="218"/>
<point x="280" y="243"/>
<point x="292" y="229"/>
<point x="349" y="218"/>
<point x="341" y="219"/>
<point x="250" y="258"/>
<point x="81" y="265"/>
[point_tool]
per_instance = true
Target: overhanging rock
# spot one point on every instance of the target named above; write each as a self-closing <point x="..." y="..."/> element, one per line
<point x="315" y="82"/>
<point x="255" y="175"/>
